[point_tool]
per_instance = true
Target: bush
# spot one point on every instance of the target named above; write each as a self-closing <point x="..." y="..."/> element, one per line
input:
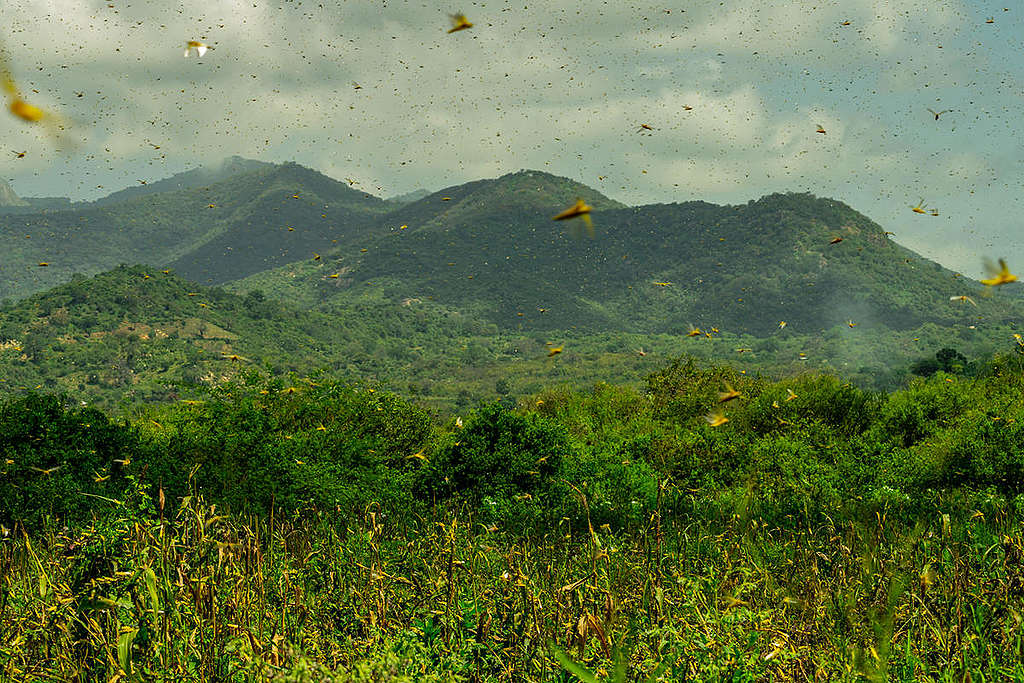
<point x="55" y="455"/>
<point x="501" y="455"/>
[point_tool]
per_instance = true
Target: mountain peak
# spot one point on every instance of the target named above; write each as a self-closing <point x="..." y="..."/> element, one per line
<point x="8" y="197"/>
<point x="525" y="191"/>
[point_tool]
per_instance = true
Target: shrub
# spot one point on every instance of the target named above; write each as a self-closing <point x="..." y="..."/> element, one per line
<point x="499" y="454"/>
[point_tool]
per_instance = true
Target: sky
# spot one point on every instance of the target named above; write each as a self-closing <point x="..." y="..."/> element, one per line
<point x="734" y="91"/>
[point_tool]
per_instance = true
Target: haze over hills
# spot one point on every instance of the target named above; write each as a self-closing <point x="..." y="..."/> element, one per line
<point x="8" y="197"/>
<point x="198" y="227"/>
<point x="477" y="275"/>
<point x="815" y="263"/>
<point x="187" y="180"/>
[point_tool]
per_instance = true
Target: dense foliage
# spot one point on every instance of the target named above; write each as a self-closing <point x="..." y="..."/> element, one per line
<point x="212" y="226"/>
<point x="316" y="529"/>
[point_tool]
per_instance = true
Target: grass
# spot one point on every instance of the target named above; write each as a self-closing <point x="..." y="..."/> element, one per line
<point x="704" y="590"/>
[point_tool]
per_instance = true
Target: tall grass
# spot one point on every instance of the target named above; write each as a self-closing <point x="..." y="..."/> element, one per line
<point x="711" y="592"/>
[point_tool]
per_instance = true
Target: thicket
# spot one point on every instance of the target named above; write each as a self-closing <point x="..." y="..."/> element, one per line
<point x="807" y="447"/>
<point x="312" y="530"/>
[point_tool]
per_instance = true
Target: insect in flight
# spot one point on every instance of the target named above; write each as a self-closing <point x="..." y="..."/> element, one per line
<point x="195" y="46"/>
<point x="1000" y="275"/>
<point x="459" y="23"/>
<point x="578" y="210"/>
<point x="716" y="419"/>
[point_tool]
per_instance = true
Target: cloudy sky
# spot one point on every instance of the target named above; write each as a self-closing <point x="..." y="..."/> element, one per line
<point x="558" y="86"/>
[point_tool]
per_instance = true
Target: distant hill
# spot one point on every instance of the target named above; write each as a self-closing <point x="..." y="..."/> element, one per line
<point x="197" y="177"/>
<point x="407" y="198"/>
<point x="135" y="333"/>
<point x="277" y="216"/>
<point x="228" y="229"/>
<point x="479" y="273"/>
<point x="490" y="247"/>
<point x="8" y="197"/>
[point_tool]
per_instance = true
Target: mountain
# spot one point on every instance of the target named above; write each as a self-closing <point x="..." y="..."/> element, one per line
<point x="230" y="228"/>
<point x="278" y="216"/>
<point x="137" y="333"/>
<point x="491" y="248"/>
<point x="7" y="196"/>
<point x="197" y="177"/>
<point x="407" y="198"/>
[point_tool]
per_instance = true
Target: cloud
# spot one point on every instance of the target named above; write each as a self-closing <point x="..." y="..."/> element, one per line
<point x="561" y="86"/>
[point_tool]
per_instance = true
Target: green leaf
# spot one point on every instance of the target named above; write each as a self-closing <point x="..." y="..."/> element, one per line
<point x="124" y="649"/>
<point x="572" y="667"/>
<point x="154" y="595"/>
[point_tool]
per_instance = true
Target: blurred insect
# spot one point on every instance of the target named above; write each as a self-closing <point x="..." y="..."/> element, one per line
<point x="555" y="350"/>
<point x="963" y="298"/>
<point x="850" y="323"/>
<point x="316" y="256"/>
<point x="844" y="23"/>
<point x="418" y="456"/>
<point x="23" y="110"/>
<point x="836" y="240"/>
<point x="790" y="395"/>
<point x="928" y="575"/>
<point x="820" y="130"/>
<point x="641" y="352"/>
<point x="937" y="114"/>
<point x="43" y="264"/>
<point x="990" y="20"/>
<point x="194" y="45"/>
<point x="933" y="212"/>
<point x="687" y="107"/>
<point x="662" y="284"/>
<point x="694" y="332"/>
<point x="716" y="419"/>
<point x="998" y="276"/>
<point x="578" y="210"/>
<point x="459" y="23"/>
<point x="47" y="472"/>
<point x="782" y="324"/>
<point x="644" y="126"/>
<point x="728" y="395"/>
<point x="98" y="478"/>
<point x="356" y="86"/>
<point x="19" y="155"/>
<point x="920" y="208"/>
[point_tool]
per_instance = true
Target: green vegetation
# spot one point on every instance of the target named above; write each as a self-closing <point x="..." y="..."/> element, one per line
<point x="312" y="530"/>
<point x="210" y="226"/>
<point x="443" y="296"/>
<point x="139" y="334"/>
<point x="463" y="445"/>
